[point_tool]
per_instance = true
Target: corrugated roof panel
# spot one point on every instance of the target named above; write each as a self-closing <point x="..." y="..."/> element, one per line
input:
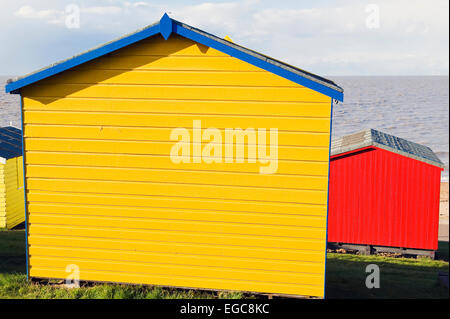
<point x="10" y="142"/>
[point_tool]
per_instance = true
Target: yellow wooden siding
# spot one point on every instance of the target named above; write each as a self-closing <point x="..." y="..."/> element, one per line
<point x="221" y="93"/>
<point x="103" y="193"/>
<point x="12" y="206"/>
<point x="2" y="197"/>
<point x="287" y="110"/>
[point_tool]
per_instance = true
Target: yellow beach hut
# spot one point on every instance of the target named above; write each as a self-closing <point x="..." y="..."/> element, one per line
<point x="174" y="157"/>
<point x="12" y="206"/>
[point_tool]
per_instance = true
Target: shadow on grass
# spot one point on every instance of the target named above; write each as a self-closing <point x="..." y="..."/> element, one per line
<point x="399" y="277"/>
<point x="12" y="252"/>
<point x="346" y="276"/>
<point x="13" y="282"/>
<point x="442" y="252"/>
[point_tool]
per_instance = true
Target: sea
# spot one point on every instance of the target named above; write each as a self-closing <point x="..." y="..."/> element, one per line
<point x="415" y="108"/>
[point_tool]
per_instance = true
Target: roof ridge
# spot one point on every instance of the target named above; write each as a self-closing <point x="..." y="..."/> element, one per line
<point x="166" y="26"/>
<point x="373" y="137"/>
<point x="327" y="82"/>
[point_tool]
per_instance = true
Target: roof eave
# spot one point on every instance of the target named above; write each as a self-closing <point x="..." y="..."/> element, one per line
<point x="54" y="69"/>
<point x="362" y="146"/>
<point x="259" y="60"/>
<point x="406" y="154"/>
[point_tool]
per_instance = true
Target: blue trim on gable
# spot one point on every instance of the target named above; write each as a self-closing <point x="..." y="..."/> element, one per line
<point x="258" y="62"/>
<point x="166" y="27"/>
<point x="83" y="58"/>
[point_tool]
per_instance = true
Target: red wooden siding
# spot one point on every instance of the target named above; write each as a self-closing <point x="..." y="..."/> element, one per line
<point x="385" y="199"/>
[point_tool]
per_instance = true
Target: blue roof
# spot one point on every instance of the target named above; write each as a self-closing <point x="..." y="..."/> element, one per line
<point x="10" y="142"/>
<point x="166" y="26"/>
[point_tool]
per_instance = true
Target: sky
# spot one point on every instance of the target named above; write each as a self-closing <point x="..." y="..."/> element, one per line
<point x="329" y="38"/>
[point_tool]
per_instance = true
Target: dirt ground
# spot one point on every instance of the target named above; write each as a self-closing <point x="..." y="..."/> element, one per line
<point x="443" y="208"/>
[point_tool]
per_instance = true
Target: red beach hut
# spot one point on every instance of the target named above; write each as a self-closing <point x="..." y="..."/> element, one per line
<point x="384" y="193"/>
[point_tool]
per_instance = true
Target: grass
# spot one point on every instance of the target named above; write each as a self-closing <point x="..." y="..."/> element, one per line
<point x="442" y="252"/>
<point x="15" y="286"/>
<point x="12" y="252"/>
<point x="13" y="283"/>
<point x="399" y="278"/>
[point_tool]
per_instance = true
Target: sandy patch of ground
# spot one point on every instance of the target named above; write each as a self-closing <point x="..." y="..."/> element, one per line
<point x="443" y="213"/>
<point x="443" y="205"/>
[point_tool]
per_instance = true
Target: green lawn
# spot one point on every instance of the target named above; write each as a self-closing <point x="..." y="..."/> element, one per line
<point x="399" y="278"/>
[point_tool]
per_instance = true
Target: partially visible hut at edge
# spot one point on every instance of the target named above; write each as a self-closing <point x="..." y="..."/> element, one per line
<point x="384" y="193"/>
<point x="12" y="206"/>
